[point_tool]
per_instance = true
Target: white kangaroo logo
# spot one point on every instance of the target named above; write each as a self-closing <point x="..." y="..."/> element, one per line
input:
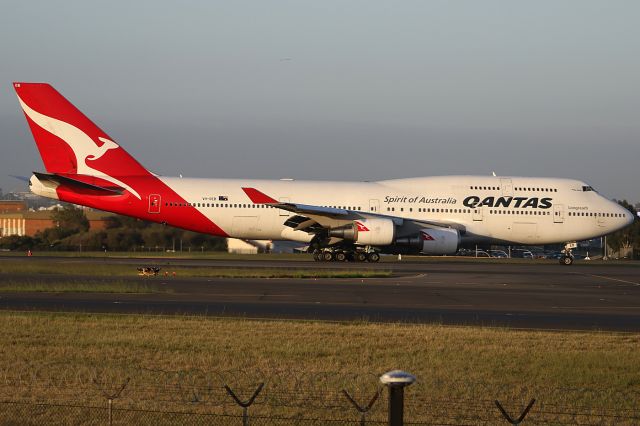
<point x="84" y="148"/>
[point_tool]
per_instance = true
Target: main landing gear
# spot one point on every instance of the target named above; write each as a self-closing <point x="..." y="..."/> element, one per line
<point x="345" y="256"/>
<point x="567" y="258"/>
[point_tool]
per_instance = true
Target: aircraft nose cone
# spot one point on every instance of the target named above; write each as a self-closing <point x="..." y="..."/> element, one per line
<point x="630" y="218"/>
<point x="627" y="215"/>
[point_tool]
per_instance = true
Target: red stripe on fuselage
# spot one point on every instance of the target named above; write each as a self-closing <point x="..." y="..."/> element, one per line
<point x="184" y="216"/>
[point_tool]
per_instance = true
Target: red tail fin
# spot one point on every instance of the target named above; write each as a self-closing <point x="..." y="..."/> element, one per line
<point x="68" y="141"/>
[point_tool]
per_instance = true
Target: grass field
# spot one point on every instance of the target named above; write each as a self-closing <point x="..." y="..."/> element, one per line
<point x="52" y="357"/>
<point x="79" y="286"/>
<point x="173" y="361"/>
<point x="99" y="269"/>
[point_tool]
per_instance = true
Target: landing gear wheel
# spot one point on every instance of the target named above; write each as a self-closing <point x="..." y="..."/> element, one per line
<point x="327" y="256"/>
<point x="340" y="256"/>
<point x="317" y="256"/>
<point x="567" y="260"/>
<point x="373" y="257"/>
<point x="361" y="257"/>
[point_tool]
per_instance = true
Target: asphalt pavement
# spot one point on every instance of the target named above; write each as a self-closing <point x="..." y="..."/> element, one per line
<point x="521" y="295"/>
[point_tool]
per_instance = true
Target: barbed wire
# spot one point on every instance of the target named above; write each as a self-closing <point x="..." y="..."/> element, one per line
<point x="302" y="393"/>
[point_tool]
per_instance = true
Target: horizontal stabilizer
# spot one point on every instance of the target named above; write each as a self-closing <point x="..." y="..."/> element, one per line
<point x="22" y="178"/>
<point x="74" y="183"/>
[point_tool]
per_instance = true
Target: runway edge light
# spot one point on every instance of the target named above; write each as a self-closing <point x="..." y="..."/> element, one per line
<point x="396" y="381"/>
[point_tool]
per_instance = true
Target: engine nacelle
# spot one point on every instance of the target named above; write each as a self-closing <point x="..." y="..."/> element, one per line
<point x="367" y="232"/>
<point x="375" y="232"/>
<point x="430" y="241"/>
<point x="439" y="240"/>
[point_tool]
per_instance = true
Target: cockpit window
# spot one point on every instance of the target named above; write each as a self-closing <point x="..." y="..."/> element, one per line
<point x="588" y="188"/>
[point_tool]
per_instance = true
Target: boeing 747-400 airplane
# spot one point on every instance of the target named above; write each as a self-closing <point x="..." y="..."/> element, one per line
<point x="339" y="220"/>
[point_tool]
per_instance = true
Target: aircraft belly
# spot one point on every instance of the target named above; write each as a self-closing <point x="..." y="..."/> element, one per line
<point x="246" y="227"/>
<point x="525" y="232"/>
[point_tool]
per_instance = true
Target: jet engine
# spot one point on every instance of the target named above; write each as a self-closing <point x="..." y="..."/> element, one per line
<point x="432" y="241"/>
<point x="369" y="232"/>
<point x="381" y="232"/>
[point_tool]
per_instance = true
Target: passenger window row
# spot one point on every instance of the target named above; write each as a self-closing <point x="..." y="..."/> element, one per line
<point x="243" y="206"/>
<point x="485" y="188"/>
<point x="521" y="212"/>
<point x="536" y="189"/>
<point x="219" y="205"/>
<point x="593" y="214"/>
<point x="343" y="207"/>
<point x="518" y="188"/>
<point x="431" y="210"/>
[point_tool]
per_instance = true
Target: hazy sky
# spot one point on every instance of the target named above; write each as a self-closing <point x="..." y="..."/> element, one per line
<point x="354" y="90"/>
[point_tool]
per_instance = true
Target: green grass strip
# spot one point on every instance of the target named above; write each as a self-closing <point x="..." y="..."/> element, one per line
<point x="98" y="269"/>
<point x="36" y="286"/>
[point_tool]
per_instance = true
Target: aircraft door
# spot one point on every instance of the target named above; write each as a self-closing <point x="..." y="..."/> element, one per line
<point x="507" y="187"/>
<point x="154" y="203"/>
<point x="558" y="213"/>
<point x="374" y="206"/>
<point x="478" y="213"/>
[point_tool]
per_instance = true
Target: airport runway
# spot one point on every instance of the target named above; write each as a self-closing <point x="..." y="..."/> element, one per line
<point x="550" y="296"/>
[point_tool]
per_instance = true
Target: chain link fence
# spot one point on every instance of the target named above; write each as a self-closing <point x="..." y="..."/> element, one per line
<point x="58" y="394"/>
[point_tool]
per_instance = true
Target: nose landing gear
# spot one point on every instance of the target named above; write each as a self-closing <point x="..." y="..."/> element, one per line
<point x="567" y="259"/>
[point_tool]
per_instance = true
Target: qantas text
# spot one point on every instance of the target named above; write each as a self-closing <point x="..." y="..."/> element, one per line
<point x="518" y="202"/>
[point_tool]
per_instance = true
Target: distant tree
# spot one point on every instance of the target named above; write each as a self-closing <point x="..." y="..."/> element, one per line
<point x="70" y="219"/>
<point x="16" y="242"/>
<point x="123" y="239"/>
<point x="133" y="223"/>
<point x="113" y="222"/>
<point x="155" y="236"/>
<point x="94" y="240"/>
<point x="121" y="233"/>
<point x="205" y="242"/>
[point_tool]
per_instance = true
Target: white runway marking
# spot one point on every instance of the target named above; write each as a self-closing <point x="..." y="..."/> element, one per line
<point x="608" y="278"/>
<point x="244" y="295"/>
<point x="594" y="307"/>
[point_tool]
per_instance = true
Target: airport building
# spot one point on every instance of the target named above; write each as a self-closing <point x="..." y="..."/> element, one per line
<point x="12" y="206"/>
<point x="16" y="220"/>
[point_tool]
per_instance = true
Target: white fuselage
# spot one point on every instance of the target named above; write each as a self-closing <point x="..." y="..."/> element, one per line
<point x="431" y="215"/>
<point x="490" y="209"/>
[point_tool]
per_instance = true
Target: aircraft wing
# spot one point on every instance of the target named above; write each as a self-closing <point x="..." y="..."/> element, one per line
<point x="312" y="218"/>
